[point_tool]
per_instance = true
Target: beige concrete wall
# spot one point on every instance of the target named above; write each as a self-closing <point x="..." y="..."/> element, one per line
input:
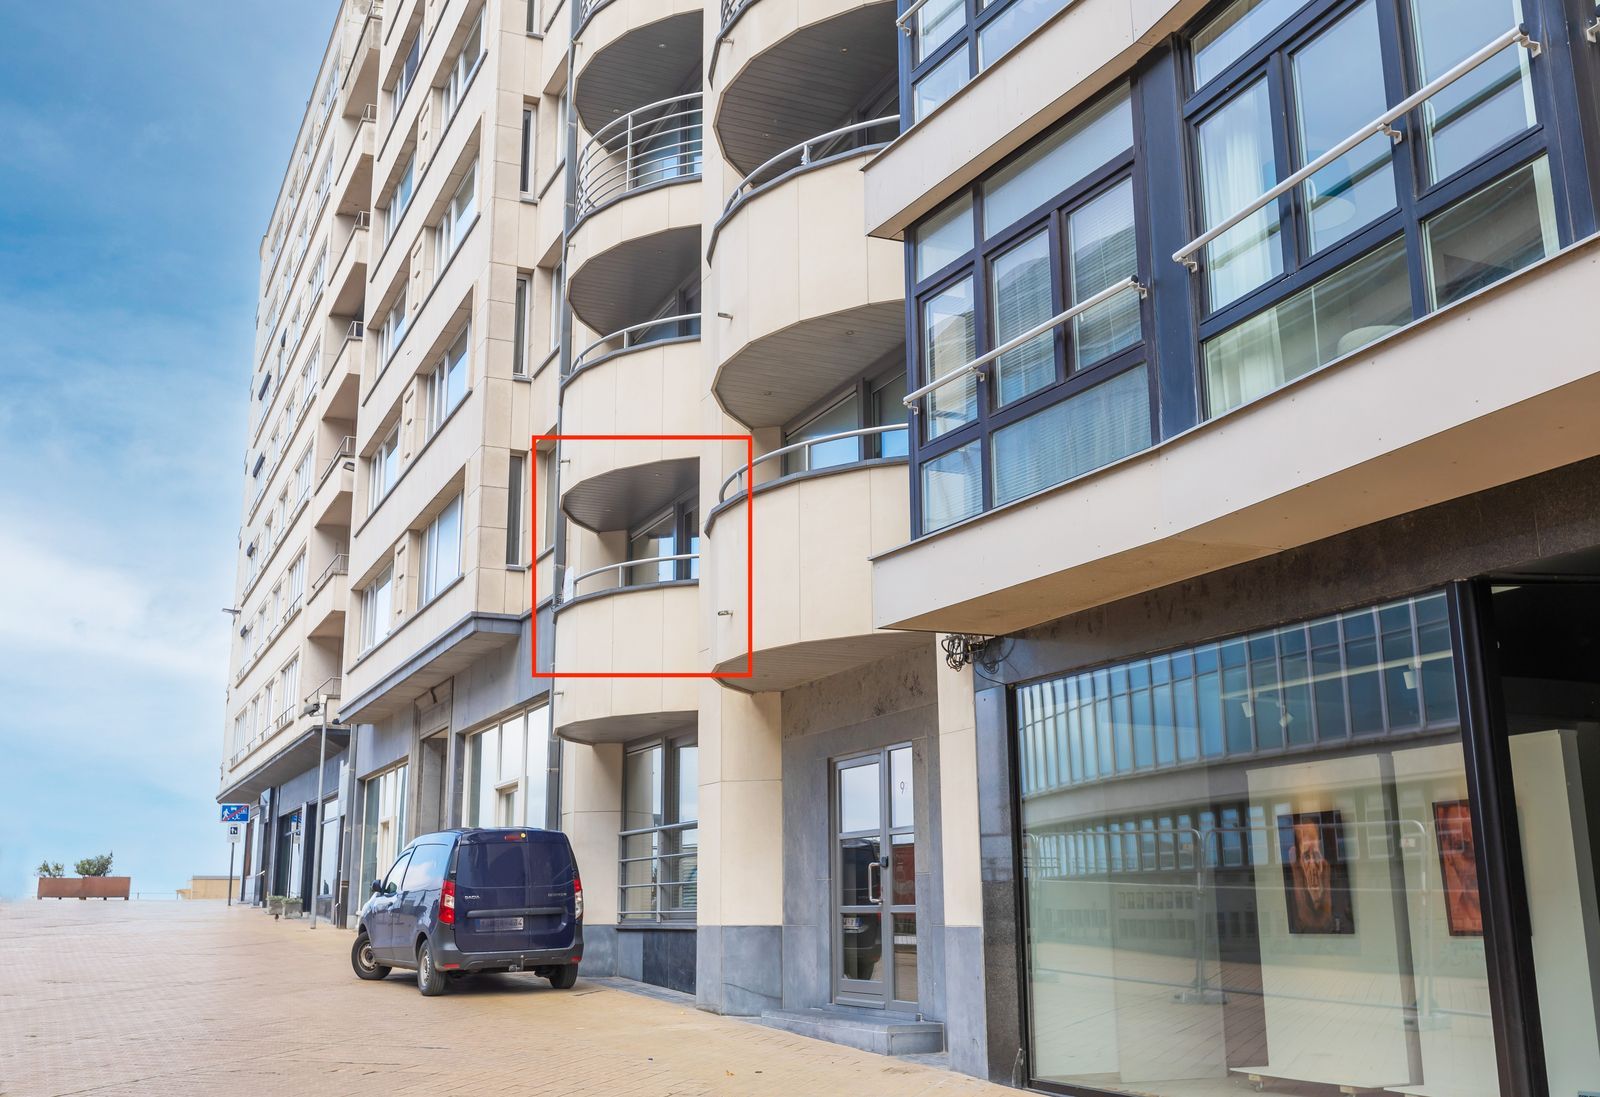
<point x="741" y="808"/>
<point x="591" y="816"/>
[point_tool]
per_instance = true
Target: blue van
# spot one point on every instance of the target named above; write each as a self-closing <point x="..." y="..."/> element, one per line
<point x="462" y="902"/>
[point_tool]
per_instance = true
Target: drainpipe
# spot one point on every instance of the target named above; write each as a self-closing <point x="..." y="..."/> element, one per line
<point x="316" y="856"/>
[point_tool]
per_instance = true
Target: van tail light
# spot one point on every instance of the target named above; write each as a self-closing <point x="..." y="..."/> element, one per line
<point x="447" y="903"/>
<point x="577" y="897"/>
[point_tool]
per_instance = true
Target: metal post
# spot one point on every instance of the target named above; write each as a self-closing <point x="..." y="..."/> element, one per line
<point x="316" y="856"/>
<point x="231" y="845"/>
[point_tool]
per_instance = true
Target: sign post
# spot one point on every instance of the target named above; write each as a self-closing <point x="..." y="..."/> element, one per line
<point x="236" y="816"/>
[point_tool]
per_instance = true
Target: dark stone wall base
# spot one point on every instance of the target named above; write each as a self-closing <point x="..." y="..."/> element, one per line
<point x="739" y="969"/>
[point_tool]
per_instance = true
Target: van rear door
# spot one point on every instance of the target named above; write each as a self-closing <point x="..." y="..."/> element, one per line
<point x="508" y="894"/>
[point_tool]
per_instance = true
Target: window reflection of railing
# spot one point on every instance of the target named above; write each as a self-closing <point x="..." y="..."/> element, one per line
<point x="658" y="143"/>
<point x="658" y="871"/>
<point x="882" y="434"/>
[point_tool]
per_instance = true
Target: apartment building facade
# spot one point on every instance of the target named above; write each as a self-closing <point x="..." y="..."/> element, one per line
<point x="1057" y="533"/>
<point x="1253" y="458"/>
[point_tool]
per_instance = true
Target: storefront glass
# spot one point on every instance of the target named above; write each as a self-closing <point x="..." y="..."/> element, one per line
<point x="1251" y="862"/>
<point x="507" y="776"/>
<point x="383" y="828"/>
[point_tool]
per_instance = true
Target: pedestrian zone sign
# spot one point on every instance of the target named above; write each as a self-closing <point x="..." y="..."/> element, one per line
<point x="235" y="813"/>
<point x="234" y="831"/>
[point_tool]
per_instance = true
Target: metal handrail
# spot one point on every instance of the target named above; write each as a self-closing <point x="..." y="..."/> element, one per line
<point x="339" y="565"/>
<point x="622" y="155"/>
<point x="904" y="22"/>
<point x="804" y="445"/>
<point x="623" y="333"/>
<point x="658" y="859"/>
<point x="572" y="584"/>
<point x="913" y="400"/>
<point x="691" y="824"/>
<point x="347" y="449"/>
<point x="328" y="688"/>
<point x="1384" y="123"/>
<point x="587" y="9"/>
<point x="748" y="186"/>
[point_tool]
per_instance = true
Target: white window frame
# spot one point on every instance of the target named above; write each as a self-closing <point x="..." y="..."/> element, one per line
<point x="458" y="215"/>
<point x="441" y="560"/>
<point x="383" y="468"/>
<point x="465" y="68"/>
<point x="446" y="386"/>
<point x="377" y="609"/>
<point x="405" y="188"/>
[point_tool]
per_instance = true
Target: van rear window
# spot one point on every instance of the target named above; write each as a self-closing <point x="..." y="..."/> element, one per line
<point x="491" y="865"/>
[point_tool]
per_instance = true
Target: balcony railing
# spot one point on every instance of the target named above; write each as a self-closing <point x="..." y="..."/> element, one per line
<point x="620" y="570"/>
<point x="658" y="873"/>
<point x="819" y="151"/>
<point x="586" y="10"/>
<point x="637" y="335"/>
<point x="339" y="565"/>
<point x="804" y="448"/>
<point x="345" y="452"/>
<point x="1384" y="123"/>
<point x="353" y="334"/>
<point x="656" y="144"/>
<point x="979" y="366"/>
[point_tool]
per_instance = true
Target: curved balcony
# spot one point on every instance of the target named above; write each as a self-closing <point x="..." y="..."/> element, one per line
<point x="636" y="232"/>
<point x="647" y="389"/>
<point x="822" y="514"/>
<point x="632" y="52"/>
<point x="325" y="606"/>
<point x="794" y="70"/>
<point x="651" y="333"/>
<point x="830" y="301"/>
<point x="632" y="633"/>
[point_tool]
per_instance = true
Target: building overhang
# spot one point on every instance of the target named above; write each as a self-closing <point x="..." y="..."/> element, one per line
<point x="285" y="764"/>
<point x="444" y="657"/>
<point x="1495" y="388"/>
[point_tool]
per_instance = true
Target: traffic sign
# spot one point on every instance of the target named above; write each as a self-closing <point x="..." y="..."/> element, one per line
<point x="234" y="831"/>
<point x="235" y="813"/>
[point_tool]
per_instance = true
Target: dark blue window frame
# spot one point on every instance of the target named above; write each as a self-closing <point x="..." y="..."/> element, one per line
<point x="1565" y="82"/>
<point x="1051" y="218"/>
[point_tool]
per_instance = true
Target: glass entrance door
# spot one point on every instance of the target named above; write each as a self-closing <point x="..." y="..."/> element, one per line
<point x="875" y="883"/>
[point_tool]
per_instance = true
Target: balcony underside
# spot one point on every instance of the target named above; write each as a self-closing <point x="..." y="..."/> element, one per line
<point x="618" y="285"/>
<point x="778" y="669"/>
<point x="1495" y="388"/>
<point x="775" y="378"/>
<point x="643" y="65"/>
<point x="627" y="727"/>
<point x="625" y="496"/>
<point x="289" y="761"/>
<point x="806" y="84"/>
<point x="450" y="653"/>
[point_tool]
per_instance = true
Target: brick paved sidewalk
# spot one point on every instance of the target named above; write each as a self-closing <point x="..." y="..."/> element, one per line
<point x="196" y="998"/>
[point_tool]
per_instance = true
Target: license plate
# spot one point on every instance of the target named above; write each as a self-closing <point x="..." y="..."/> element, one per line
<point x="497" y="925"/>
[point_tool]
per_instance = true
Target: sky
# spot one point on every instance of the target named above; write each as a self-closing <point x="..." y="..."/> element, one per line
<point x="141" y="149"/>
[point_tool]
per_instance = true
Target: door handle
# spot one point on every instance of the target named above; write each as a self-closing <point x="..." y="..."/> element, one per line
<point x="875" y="872"/>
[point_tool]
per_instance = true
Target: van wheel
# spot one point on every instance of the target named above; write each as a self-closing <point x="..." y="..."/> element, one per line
<point x="365" y="961"/>
<point x="563" y="977"/>
<point x="430" y="980"/>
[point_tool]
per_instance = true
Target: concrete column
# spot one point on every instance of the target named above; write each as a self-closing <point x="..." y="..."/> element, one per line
<point x="965" y="1032"/>
<point x="739" y="949"/>
<point x="591" y="816"/>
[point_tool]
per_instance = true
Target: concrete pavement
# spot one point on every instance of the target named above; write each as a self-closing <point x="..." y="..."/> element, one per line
<point x="197" y="998"/>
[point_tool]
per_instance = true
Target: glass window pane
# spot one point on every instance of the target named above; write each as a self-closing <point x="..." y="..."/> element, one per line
<point x="1011" y="26"/>
<point x="952" y="488"/>
<point x="1261" y="910"/>
<point x="1232" y="33"/>
<point x="949" y="341"/>
<point x="1092" y="140"/>
<point x="1104" y="251"/>
<point x="536" y="802"/>
<point x="1348" y="309"/>
<point x="1483" y="108"/>
<point x="1237" y="165"/>
<point x="841" y="417"/>
<point x="944" y="237"/>
<point x="901" y="794"/>
<point x="658" y="540"/>
<point x="641" y="789"/>
<point x="1490" y="234"/>
<point x="1338" y="89"/>
<point x="945" y="79"/>
<point x="888" y="408"/>
<point x="688" y="758"/>
<point x="1093" y="428"/>
<point x="860" y="799"/>
<point x="935" y="22"/>
<point x="1020" y="293"/>
<point x="905" y="957"/>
